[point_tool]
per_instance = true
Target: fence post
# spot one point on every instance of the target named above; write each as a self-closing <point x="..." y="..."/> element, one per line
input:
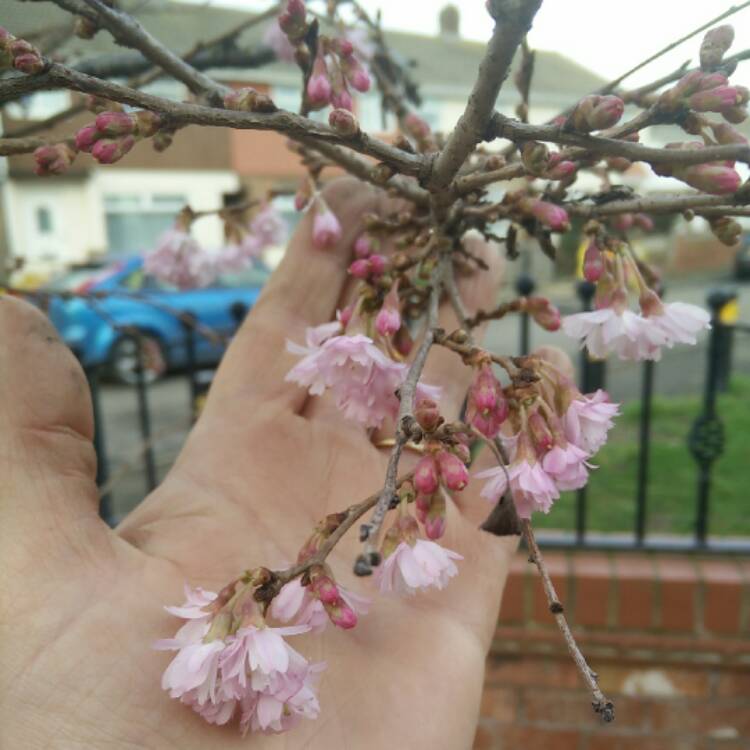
<point x="188" y="321"/>
<point x="525" y="285"/>
<point x="644" y="450"/>
<point x="100" y="447"/>
<point x="728" y="315"/>
<point x="706" y="438"/>
<point x="593" y="372"/>
<point x="144" y="415"/>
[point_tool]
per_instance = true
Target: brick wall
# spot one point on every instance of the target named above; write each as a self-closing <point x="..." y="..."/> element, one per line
<point x="667" y="635"/>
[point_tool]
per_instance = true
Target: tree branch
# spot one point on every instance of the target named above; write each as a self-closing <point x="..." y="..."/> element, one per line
<point x="513" y="20"/>
<point x="185" y="113"/>
<point x="602" y="705"/>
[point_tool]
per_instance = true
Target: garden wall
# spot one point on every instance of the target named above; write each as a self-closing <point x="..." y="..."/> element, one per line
<point x="667" y="635"/>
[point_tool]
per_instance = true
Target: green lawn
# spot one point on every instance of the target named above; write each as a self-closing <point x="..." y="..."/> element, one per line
<point x="673" y="474"/>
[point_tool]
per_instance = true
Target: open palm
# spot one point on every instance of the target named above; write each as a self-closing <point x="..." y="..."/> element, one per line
<point x="81" y="604"/>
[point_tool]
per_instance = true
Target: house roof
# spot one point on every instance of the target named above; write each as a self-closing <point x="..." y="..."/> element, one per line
<point x="442" y="65"/>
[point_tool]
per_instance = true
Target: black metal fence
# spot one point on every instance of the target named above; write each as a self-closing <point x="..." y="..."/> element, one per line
<point x="705" y="439"/>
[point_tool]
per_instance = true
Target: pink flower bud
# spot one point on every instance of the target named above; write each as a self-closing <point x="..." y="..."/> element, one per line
<point x="593" y="263"/>
<point x="487" y="407"/>
<point x="422" y="506"/>
<point x="114" y="124"/>
<point x="108" y="152"/>
<point x="30" y="63"/>
<point x="360" y="269"/>
<point x="343" y="46"/>
<point x="427" y="414"/>
<point x="378" y="264"/>
<point x="716" y="179"/>
<point x="319" y="87"/>
<point x="387" y="321"/>
<point x="342" y="99"/>
<point x="596" y="113"/>
<point x="343" y="122"/>
<point x="434" y="527"/>
<point x="326" y="229"/>
<point x="292" y="20"/>
<point x="540" y="433"/>
<point x="561" y="171"/>
<point x="453" y="471"/>
<point x="555" y="217"/>
<point x="485" y="390"/>
<point x="544" y="313"/>
<point x="363" y="246"/>
<point x="358" y="77"/>
<point x="461" y="449"/>
<point x="53" y="159"/>
<point x="426" y="475"/>
<point x="342" y="615"/>
<point x="716" y="99"/>
<point x="325" y="589"/>
<point x="621" y="222"/>
<point x="86" y="137"/>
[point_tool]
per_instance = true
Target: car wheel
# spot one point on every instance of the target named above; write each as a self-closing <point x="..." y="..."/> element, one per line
<point x="123" y="359"/>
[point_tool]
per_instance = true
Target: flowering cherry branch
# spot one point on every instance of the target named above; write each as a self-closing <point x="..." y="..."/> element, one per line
<point x="232" y="658"/>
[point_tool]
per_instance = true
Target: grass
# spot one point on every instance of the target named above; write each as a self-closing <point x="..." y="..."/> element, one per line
<point x="673" y="476"/>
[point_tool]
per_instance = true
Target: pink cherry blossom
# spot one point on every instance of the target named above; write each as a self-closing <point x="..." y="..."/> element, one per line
<point x="361" y="377"/>
<point x="268" y="226"/>
<point x="588" y="419"/>
<point x="630" y="335"/>
<point x="679" y="322"/>
<point x="296" y="603"/>
<point x="532" y="488"/>
<point x="178" y="259"/>
<point x="566" y="465"/>
<point x="421" y="565"/>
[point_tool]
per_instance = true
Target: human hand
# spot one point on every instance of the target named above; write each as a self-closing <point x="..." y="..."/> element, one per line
<point x="82" y="604"/>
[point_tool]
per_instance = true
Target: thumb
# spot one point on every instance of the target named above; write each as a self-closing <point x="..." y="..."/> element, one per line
<point x="49" y="500"/>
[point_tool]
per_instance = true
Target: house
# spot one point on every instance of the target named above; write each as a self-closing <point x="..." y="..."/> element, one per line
<point x="96" y="211"/>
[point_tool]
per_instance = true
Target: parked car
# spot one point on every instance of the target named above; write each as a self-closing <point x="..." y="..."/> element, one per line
<point x="93" y="327"/>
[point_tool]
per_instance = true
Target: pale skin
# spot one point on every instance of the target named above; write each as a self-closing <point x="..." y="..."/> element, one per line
<point x="82" y="604"/>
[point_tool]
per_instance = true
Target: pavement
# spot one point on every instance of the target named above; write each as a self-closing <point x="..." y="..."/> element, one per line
<point x="681" y="371"/>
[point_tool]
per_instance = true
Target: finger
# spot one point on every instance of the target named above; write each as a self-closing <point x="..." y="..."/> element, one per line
<point x="302" y="292"/>
<point x="47" y="459"/>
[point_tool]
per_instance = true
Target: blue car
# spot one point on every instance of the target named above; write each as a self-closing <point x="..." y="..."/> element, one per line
<point x="92" y="326"/>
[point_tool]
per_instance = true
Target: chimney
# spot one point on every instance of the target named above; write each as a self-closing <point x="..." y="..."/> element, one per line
<point x="449" y="19"/>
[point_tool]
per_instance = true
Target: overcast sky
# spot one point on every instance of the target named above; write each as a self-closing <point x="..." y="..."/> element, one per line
<point x="606" y="36"/>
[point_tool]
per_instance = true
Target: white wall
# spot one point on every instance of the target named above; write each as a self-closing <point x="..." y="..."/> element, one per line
<point x="75" y="223"/>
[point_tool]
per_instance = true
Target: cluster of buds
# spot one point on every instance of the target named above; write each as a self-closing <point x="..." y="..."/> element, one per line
<point x="18" y="54"/>
<point x="334" y="69"/>
<point x="717" y="178"/>
<point x="247" y="99"/>
<point x="540" y="162"/>
<point x="595" y="112"/>
<point x="486" y="403"/>
<point x="113" y="134"/>
<point x="626" y="221"/>
<point x="707" y="92"/>
<point x="54" y="158"/>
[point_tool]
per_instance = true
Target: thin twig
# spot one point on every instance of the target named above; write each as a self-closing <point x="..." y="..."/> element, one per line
<point x="601" y="704"/>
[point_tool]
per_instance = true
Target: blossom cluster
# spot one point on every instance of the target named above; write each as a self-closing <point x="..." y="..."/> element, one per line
<point x="180" y="260"/>
<point x="613" y="326"/>
<point x="18" y="54"/>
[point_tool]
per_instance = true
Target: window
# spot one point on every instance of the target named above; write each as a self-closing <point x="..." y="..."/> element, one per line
<point x="44" y="220"/>
<point x="370" y="114"/>
<point x="135" y="221"/>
